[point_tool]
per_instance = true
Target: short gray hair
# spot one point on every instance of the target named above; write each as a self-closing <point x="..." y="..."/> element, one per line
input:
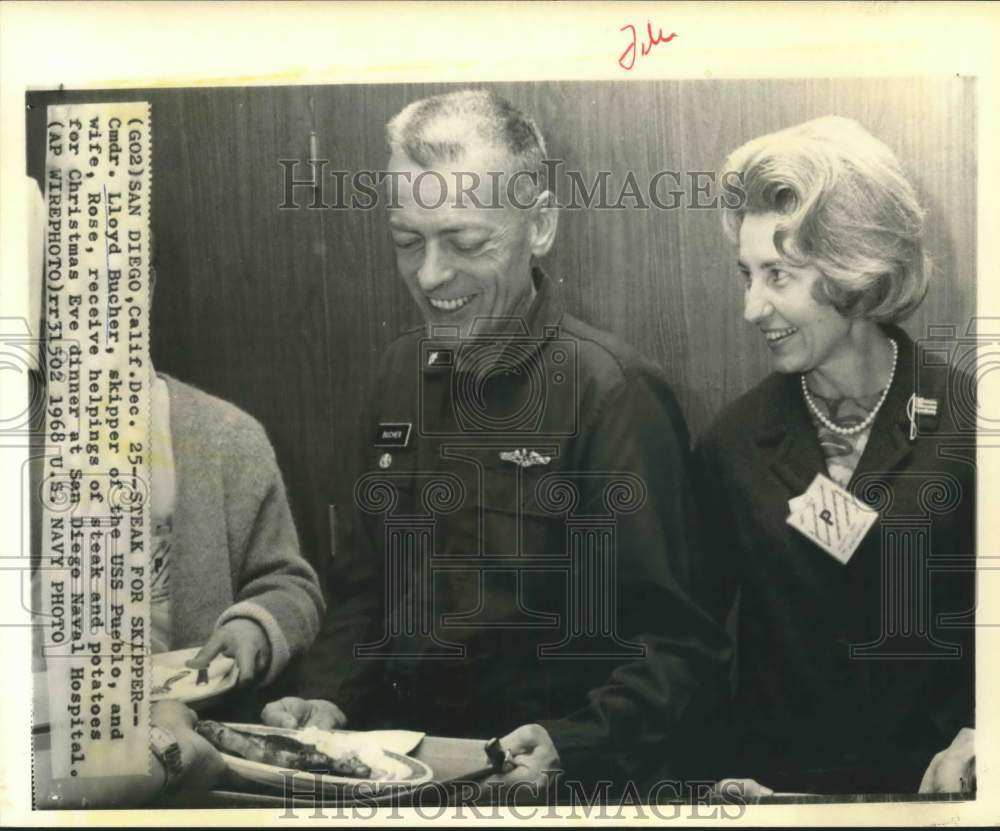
<point x="847" y="208"/>
<point x="443" y="128"/>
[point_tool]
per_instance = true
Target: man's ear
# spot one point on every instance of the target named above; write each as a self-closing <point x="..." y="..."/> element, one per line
<point x="545" y="220"/>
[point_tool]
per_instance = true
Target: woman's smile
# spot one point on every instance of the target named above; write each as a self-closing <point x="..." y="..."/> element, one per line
<point x="778" y="336"/>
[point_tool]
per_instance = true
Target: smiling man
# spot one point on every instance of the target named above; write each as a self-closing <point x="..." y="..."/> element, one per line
<point x="464" y="244"/>
<point x="521" y="568"/>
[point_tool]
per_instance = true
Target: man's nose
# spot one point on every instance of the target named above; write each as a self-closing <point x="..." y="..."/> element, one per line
<point x="756" y="305"/>
<point x="435" y="269"/>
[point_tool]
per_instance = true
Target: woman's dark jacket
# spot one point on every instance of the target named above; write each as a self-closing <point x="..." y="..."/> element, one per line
<point x="849" y="678"/>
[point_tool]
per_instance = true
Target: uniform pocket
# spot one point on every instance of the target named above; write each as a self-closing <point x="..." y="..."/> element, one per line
<point x="514" y="521"/>
<point x="510" y="489"/>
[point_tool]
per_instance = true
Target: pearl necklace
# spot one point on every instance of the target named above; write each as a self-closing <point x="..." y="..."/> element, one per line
<point x="858" y="428"/>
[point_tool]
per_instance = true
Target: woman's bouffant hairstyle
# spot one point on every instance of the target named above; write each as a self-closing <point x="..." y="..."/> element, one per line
<point x="848" y="210"/>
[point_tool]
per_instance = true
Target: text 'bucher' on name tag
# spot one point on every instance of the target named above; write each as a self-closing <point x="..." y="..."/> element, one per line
<point x="393" y="434"/>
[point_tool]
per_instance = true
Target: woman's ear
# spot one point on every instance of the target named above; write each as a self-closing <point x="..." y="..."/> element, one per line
<point x="544" y="222"/>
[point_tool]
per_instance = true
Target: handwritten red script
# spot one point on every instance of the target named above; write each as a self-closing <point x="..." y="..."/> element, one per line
<point x="627" y="59"/>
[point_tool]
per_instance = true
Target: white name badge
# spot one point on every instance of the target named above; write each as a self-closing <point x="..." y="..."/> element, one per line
<point x="829" y="516"/>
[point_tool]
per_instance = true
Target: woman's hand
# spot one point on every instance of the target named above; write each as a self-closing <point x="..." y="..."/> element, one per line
<point x="245" y="641"/>
<point x="742" y="789"/>
<point x="294" y="712"/>
<point x="953" y="770"/>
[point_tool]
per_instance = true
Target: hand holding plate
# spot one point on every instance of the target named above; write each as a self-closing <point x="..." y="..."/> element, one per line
<point x="243" y="640"/>
<point x="534" y="756"/>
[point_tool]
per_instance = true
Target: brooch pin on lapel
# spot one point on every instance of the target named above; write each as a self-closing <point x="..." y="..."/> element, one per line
<point x="524" y="458"/>
<point x="918" y="406"/>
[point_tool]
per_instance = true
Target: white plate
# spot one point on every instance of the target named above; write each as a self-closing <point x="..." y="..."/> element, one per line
<point x="403" y="742"/>
<point x="304" y="782"/>
<point x="222" y="675"/>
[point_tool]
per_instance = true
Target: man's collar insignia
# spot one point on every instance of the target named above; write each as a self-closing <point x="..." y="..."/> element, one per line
<point x="440" y="358"/>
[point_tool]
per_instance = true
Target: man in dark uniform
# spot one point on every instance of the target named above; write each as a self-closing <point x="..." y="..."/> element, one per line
<point x="528" y="525"/>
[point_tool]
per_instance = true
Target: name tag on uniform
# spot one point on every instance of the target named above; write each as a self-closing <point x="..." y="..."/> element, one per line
<point x="831" y="517"/>
<point x="393" y="434"/>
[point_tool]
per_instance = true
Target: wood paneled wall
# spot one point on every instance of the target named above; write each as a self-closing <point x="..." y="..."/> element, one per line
<point x="285" y="312"/>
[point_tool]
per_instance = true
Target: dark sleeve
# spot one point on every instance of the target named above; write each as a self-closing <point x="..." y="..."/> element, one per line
<point x="952" y="695"/>
<point x="354" y="592"/>
<point x="640" y="431"/>
<point x="716" y="576"/>
<point x="354" y="589"/>
<point x="716" y="583"/>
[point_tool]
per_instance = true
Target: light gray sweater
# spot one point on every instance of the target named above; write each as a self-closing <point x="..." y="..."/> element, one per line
<point x="235" y="550"/>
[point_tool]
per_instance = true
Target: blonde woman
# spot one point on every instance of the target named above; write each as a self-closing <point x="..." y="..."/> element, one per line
<point x="847" y="681"/>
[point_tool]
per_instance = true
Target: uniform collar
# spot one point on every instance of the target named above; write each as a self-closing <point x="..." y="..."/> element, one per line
<point x="547" y="309"/>
<point x="789" y="441"/>
<point x="517" y="342"/>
